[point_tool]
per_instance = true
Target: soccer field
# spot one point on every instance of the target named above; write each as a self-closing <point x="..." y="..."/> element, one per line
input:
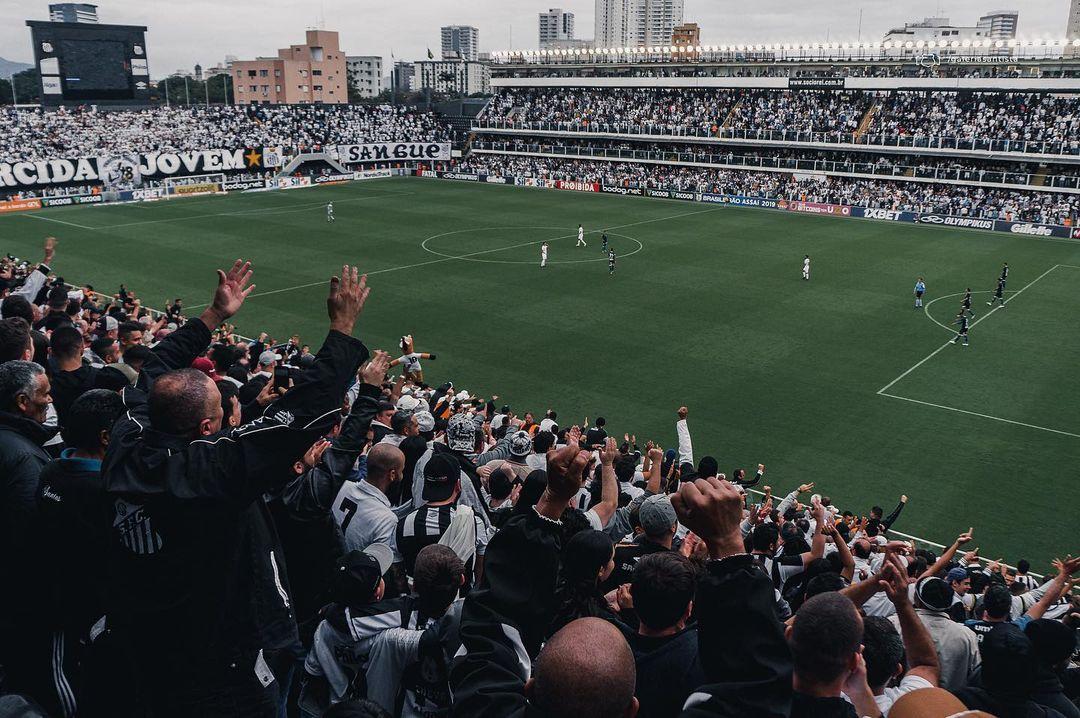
<point x="837" y="380"/>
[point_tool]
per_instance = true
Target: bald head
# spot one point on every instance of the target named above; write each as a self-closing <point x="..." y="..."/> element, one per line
<point x="569" y="682"/>
<point x="385" y="465"/>
<point x="185" y="403"/>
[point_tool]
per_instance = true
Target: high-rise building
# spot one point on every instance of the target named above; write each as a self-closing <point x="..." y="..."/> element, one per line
<point x="1000" y="24"/>
<point x="312" y="73"/>
<point x="1072" y="29"/>
<point x="949" y="38"/>
<point x="401" y="76"/>
<point x="556" y="25"/>
<point x="637" y="22"/>
<point x="453" y="76"/>
<point x="460" y="41"/>
<point x="686" y="35"/>
<point x="73" y="12"/>
<point x="365" y="71"/>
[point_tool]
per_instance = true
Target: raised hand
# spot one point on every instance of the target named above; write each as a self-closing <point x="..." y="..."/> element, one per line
<point x="232" y="289"/>
<point x="609" y="451"/>
<point x="565" y="468"/>
<point x="50" y="250"/>
<point x="965" y="537"/>
<point x="683" y="412"/>
<point x="711" y="508"/>
<point x="347" y="297"/>
<point x="374" y="371"/>
<point x="806" y="487"/>
<point x="314" y="454"/>
<point x="894" y="580"/>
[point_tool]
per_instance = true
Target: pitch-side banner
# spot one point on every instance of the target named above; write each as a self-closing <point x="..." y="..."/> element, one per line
<point x="128" y="171"/>
<point x="394" y="151"/>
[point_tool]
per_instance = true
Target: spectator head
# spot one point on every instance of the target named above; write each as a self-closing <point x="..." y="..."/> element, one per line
<point x="588" y="558"/>
<point x="358" y="708"/>
<point x="707" y="467"/>
<point x="237" y="372"/>
<point x="568" y="681"/>
<point x="385" y="465"/>
<point x="625" y="467"/>
<point x="66" y="344"/>
<point x="1008" y="665"/>
<point x="542" y="442"/>
<point x="90" y="420"/>
<point x="230" y="404"/>
<point x="861" y="549"/>
<point x="765" y="538"/>
<point x="824" y="583"/>
<point x="109" y="327"/>
<point x="404" y="423"/>
<point x="876" y="512"/>
<point x="106" y="348"/>
<point x="358" y="579"/>
<point x="442" y="479"/>
<point x="268" y="360"/>
<point x="15" y="342"/>
<point x="520" y="445"/>
<point x="663" y="587"/>
<point x="658" y="520"/>
<point x="883" y="651"/>
<point x="997" y="603"/>
<point x="111" y="379"/>
<point x="500" y="484"/>
<point x="24" y="390"/>
<point x="824" y="641"/>
<point x="185" y="403"/>
<point x="17" y="307"/>
<point x="437" y="577"/>
<point x="1052" y="641"/>
<point x="425" y="424"/>
<point x="385" y="412"/>
<point x="462" y="433"/>
<point x="933" y="594"/>
<point x="130" y="334"/>
<point x="958" y="580"/>
<point x="601" y="422"/>
<point x="137" y="356"/>
<point x="1023" y="566"/>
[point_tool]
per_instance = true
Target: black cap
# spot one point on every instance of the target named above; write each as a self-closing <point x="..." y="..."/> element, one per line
<point x="934" y="593"/>
<point x="110" y="378"/>
<point x="385" y="405"/>
<point x="441" y="476"/>
<point x="359" y="572"/>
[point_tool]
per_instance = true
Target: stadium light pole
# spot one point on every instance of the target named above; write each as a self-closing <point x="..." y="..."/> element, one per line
<point x="167" y="102"/>
<point x="206" y="87"/>
<point x="187" y="94"/>
<point x="14" y="99"/>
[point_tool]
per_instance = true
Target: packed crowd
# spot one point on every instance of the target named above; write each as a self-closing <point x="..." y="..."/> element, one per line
<point x="27" y="134"/>
<point x="196" y="524"/>
<point x="899" y="165"/>
<point x="960" y="200"/>
<point x="906" y="115"/>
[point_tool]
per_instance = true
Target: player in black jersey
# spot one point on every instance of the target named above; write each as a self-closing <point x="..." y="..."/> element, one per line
<point x="603" y="239"/>
<point x="962" y="331"/>
<point x="1004" y="274"/>
<point x="999" y="294"/>
<point x="965" y="305"/>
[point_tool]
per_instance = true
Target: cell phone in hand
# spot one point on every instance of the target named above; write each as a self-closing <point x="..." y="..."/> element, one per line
<point x="281" y="378"/>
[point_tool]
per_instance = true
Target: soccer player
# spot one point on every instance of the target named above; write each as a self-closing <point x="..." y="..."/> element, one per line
<point x="543" y="255"/>
<point x="999" y="294"/>
<point x="330" y="212"/>
<point x="806" y="268"/>
<point x="611" y="262"/>
<point x="962" y="332"/>
<point x="920" y="289"/>
<point x="965" y="305"/>
<point x="604" y="240"/>
<point x="581" y="237"/>
<point x="1004" y="274"/>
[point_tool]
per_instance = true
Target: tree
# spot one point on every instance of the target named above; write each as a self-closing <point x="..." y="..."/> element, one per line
<point x="355" y="97"/>
<point x="27" y="88"/>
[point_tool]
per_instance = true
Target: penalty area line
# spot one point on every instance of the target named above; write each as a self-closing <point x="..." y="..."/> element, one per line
<point x="981" y="416"/>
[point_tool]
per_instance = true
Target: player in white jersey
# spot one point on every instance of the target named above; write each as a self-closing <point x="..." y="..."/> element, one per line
<point x="581" y="237"/>
<point x="543" y="255"/>
<point x="330" y="212"/>
<point x="806" y="268"/>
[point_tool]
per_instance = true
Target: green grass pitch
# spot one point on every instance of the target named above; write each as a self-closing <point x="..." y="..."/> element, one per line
<point x="823" y="381"/>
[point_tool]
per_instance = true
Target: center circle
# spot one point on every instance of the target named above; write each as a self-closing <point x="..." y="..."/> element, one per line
<point x="478" y="256"/>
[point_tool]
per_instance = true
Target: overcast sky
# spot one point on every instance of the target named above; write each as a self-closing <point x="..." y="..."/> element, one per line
<point x="185" y="32"/>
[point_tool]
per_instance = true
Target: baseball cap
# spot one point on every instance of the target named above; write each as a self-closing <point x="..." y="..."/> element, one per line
<point x="408" y="403"/>
<point x="109" y="324"/>
<point x="441" y="476"/>
<point x="385" y="405"/>
<point x="956" y="575"/>
<point x="206" y="366"/>
<point x="425" y="421"/>
<point x="400" y="420"/>
<point x="520" y="444"/>
<point x="657" y="515"/>
<point x="359" y="573"/>
<point x="549" y="425"/>
<point x="461" y="433"/>
<point x="934" y="594"/>
<point x="111" y="378"/>
<point x="268" y="357"/>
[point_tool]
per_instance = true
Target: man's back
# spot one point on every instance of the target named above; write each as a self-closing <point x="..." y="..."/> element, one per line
<point x="668" y="671"/>
<point x="957" y="647"/>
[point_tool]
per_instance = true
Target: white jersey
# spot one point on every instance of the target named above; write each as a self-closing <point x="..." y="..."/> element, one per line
<point x="806" y="265"/>
<point x="544" y="252"/>
<point x="330" y="208"/>
<point x="580" y="233"/>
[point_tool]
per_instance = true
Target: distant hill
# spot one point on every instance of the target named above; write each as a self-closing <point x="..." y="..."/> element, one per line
<point x="10" y="67"/>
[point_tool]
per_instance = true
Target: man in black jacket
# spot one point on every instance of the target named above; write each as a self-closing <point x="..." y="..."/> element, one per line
<point x="24" y="400"/>
<point x="198" y="589"/>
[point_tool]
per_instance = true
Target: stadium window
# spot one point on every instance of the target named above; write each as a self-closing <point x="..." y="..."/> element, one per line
<point x="277" y="88"/>
<point x="252" y="88"/>
<point x="318" y="88"/>
<point x="264" y="73"/>
<point x="251" y="73"/>
<point x="316" y="72"/>
<point x="277" y="73"/>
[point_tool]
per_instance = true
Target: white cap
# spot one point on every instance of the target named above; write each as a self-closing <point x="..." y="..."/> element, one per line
<point x="407" y="403"/>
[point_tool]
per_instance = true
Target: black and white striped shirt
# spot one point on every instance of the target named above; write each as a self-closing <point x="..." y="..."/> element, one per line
<point x="425" y="526"/>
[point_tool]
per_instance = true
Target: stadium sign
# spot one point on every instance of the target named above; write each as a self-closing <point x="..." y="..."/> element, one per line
<point x="334" y="179"/>
<point x="19" y="205"/>
<point x="577" y="186"/>
<point x="1076" y="233"/>
<point x="816" y="83"/>
<point x="492" y="179"/>
<point x="390" y="151"/>
<point x="144" y="194"/>
<point x="1032" y="229"/>
<point x="459" y="176"/>
<point x="243" y="185"/>
<point x="890" y="215"/>
<point x="635" y="191"/>
<point x="47" y="172"/>
<point x="946" y="220"/>
<point x="815" y="208"/>
<point x="372" y="174"/>
<point x="67" y="201"/>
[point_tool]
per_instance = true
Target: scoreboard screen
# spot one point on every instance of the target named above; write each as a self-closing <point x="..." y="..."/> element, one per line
<point x="91" y="63"/>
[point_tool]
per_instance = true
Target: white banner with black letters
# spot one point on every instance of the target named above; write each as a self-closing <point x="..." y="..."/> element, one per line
<point x="394" y="152"/>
